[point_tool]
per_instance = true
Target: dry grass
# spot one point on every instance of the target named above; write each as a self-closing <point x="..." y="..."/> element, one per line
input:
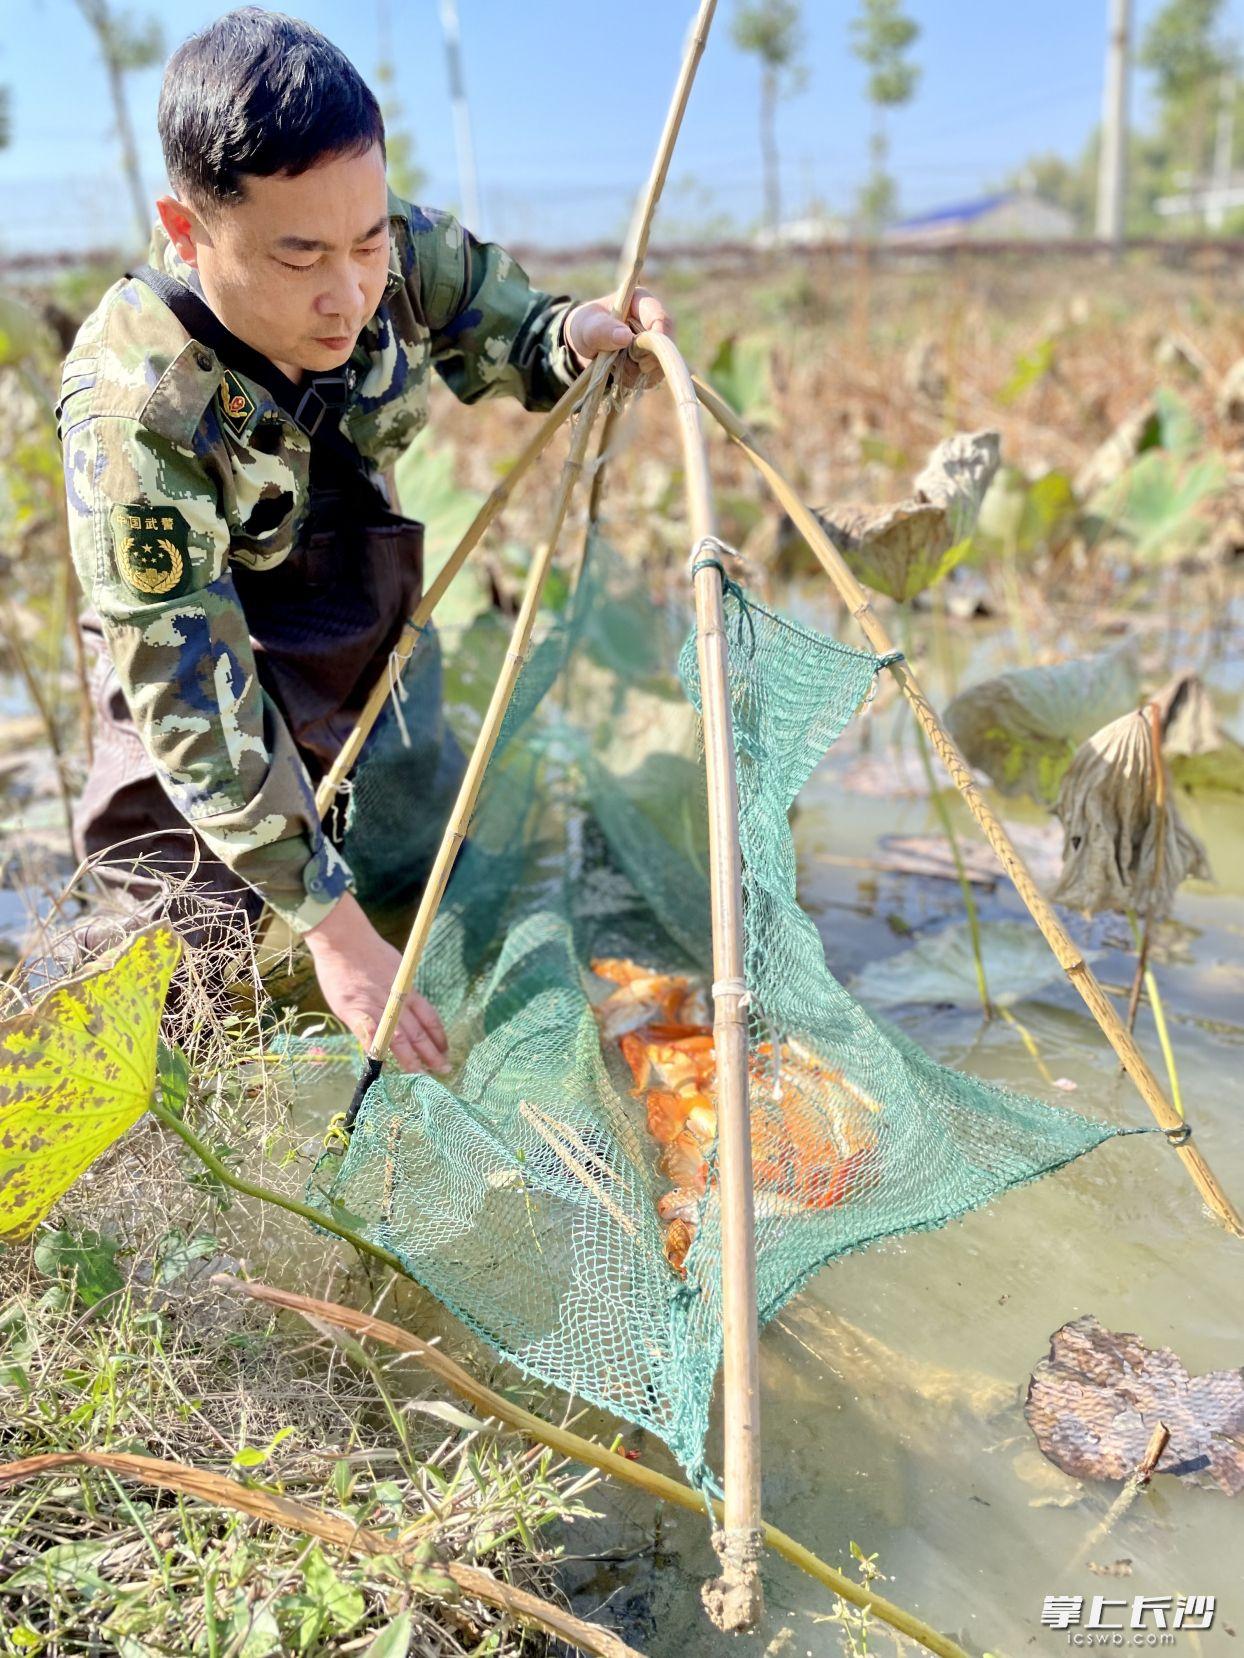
<point x="870" y="372"/>
<point x="161" y="1363"/>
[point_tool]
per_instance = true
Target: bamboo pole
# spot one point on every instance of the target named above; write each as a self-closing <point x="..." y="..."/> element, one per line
<point x="438" y="1579"/>
<point x="635" y="250"/>
<point x="499" y="495"/>
<point x="485" y="743"/>
<point x="735" y="1599"/>
<point x="455" y="833"/>
<point x="569" y="1444"/>
<point x="1069" y="956"/>
<point x="629" y="266"/>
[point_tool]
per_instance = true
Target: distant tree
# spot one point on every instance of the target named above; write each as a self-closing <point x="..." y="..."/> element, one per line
<point x="126" y="43"/>
<point x="1184" y="50"/>
<point x="5" y="128"/>
<point x="881" y="37"/>
<point x="772" y="30"/>
<point x="1181" y="46"/>
<point x="1068" y="184"/>
<point x="405" y="174"/>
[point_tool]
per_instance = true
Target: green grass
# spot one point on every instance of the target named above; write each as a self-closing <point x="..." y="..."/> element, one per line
<point x="180" y="1372"/>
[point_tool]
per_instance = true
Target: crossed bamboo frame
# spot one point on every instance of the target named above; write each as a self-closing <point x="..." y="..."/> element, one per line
<point x="691" y="395"/>
<point x="736" y="1601"/>
<point x="1068" y="954"/>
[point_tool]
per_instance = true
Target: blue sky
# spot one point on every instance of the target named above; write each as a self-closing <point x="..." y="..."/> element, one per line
<point x="567" y="102"/>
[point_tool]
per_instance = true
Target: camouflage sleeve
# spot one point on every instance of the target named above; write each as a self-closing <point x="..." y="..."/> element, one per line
<point x="151" y="551"/>
<point x="493" y="334"/>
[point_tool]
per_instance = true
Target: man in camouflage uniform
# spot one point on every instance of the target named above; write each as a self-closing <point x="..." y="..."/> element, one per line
<point x="188" y="485"/>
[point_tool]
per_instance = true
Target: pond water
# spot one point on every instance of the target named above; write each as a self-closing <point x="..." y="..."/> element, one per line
<point x="893" y="1384"/>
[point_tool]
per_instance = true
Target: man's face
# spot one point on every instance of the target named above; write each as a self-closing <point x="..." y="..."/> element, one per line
<point x="299" y="266"/>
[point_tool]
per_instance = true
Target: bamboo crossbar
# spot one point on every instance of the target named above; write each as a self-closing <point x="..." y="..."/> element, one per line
<point x="1070" y="958"/>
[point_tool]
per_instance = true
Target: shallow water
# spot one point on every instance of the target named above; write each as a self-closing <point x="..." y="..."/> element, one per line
<point x="893" y="1384"/>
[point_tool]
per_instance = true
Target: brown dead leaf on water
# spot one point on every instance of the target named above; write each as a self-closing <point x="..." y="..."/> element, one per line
<point x="1095" y="1401"/>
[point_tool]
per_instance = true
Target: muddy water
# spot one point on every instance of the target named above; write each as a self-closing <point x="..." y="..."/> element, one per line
<point x="893" y="1384"/>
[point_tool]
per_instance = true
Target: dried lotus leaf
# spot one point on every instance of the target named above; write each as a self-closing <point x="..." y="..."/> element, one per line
<point x="1095" y="1400"/>
<point x="900" y="550"/>
<point x="1113" y="830"/>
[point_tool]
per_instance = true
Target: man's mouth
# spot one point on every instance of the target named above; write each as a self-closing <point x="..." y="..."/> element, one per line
<point x="334" y="342"/>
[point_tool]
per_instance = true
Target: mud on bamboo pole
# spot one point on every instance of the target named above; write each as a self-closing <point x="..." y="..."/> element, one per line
<point x="1069" y="956"/>
<point x="735" y="1599"/>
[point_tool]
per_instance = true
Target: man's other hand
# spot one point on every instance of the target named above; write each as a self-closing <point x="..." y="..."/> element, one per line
<point x="592" y="328"/>
<point x="355" y="968"/>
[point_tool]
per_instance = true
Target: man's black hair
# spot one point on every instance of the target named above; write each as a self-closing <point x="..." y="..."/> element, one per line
<point x="257" y="92"/>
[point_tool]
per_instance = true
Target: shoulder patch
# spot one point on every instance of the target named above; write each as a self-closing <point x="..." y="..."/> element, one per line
<point x="236" y="403"/>
<point x="152" y="548"/>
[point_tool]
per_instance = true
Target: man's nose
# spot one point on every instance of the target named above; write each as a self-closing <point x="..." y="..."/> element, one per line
<point x="343" y="297"/>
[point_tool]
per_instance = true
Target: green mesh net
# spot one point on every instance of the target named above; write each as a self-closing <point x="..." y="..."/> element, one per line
<point x="558" y="1192"/>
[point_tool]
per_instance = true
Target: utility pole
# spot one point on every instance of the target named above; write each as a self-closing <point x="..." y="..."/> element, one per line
<point x="467" y="183"/>
<point x="1224" y="146"/>
<point x="1112" y="168"/>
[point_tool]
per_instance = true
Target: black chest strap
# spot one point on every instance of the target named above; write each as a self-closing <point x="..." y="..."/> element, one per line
<point x="315" y="405"/>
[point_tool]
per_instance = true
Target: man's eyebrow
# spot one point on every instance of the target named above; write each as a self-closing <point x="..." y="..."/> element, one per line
<point x="309" y="244"/>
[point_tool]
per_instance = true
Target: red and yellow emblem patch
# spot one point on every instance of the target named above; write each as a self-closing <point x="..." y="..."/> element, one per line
<point x="236" y="403"/>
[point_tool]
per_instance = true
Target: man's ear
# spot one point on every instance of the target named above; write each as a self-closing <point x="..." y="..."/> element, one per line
<point x="184" y="227"/>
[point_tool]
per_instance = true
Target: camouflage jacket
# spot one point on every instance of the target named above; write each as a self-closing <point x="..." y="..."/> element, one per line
<point x="176" y="469"/>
